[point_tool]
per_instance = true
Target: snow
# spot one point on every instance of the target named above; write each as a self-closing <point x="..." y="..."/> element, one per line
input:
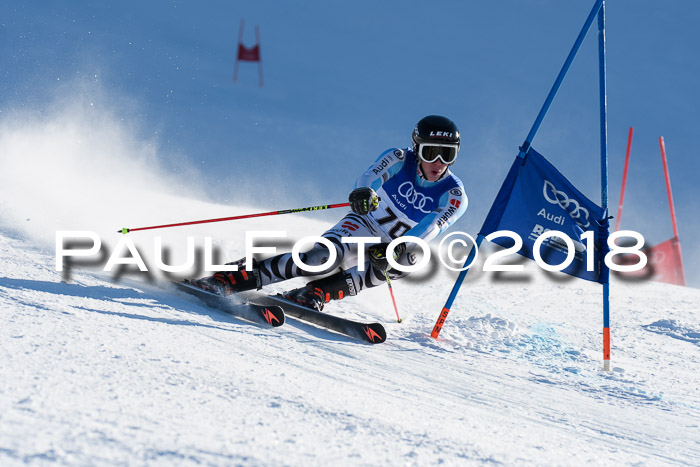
<point x="115" y="370"/>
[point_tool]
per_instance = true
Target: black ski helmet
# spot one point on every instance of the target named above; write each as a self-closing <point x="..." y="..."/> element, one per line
<point x="437" y="130"/>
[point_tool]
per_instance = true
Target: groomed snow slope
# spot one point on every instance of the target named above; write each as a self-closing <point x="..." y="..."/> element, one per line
<point x="111" y="370"/>
<point x="107" y="371"/>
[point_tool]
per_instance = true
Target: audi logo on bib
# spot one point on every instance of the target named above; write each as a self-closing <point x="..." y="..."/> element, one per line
<point x="563" y="200"/>
<point x="414" y="198"/>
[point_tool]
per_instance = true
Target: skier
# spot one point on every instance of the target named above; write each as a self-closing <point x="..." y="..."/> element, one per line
<point x="404" y="192"/>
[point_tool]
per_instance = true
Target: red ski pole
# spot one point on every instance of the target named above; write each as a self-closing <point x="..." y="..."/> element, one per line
<point x="246" y="216"/>
<point x="391" y="291"/>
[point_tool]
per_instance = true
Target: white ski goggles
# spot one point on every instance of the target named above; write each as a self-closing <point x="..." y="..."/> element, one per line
<point x="430" y="152"/>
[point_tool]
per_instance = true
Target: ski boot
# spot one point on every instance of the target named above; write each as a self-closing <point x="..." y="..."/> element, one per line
<point x="228" y="282"/>
<point x="317" y="293"/>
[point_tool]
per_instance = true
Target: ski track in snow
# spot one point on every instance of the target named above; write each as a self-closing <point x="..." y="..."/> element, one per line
<point x="102" y="372"/>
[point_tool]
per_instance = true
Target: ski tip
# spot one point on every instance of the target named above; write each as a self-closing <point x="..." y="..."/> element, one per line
<point x="273" y="315"/>
<point x="123" y="230"/>
<point x="374" y="333"/>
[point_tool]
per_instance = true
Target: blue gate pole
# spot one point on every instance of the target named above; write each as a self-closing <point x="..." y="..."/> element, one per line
<point x="560" y="78"/>
<point x="604" y="183"/>
<point x="523" y="150"/>
<point x="455" y="289"/>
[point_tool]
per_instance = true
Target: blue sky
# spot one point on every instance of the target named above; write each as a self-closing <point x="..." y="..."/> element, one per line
<point x="346" y="80"/>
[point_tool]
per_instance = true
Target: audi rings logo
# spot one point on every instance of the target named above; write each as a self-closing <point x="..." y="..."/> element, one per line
<point x="414" y="198"/>
<point x="578" y="214"/>
<point x="657" y="257"/>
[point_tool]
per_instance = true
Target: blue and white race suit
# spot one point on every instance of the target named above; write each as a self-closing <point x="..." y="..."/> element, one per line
<point x="409" y="205"/>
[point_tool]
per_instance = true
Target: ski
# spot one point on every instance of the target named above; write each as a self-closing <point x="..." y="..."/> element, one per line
<point x="374" y="333"/>
<point x="271" y="310"/>
<point x="268" y="314"/>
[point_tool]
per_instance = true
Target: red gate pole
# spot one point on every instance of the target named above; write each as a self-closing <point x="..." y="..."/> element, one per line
<point x="257" y="42"/>
<point x="240" y="38"/>
<point x="676" y="240"/>
<point x="624" y="179"/>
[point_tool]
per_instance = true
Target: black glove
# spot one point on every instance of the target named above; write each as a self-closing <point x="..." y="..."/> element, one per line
<point x="363" y="200"/>
<point x="377" y="255"/>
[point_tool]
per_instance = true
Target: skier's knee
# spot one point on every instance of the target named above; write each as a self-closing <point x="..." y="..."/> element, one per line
<point x="320" y="254"/>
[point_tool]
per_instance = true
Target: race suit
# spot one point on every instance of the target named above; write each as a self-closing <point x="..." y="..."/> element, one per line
<point x="409" y="206"/>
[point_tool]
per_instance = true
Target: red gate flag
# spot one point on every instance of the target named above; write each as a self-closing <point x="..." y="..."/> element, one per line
<point x="248" y="54"/>
<point x="665" y="261"/>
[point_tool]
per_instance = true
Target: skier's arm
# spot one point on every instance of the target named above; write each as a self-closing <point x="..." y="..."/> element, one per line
<point x="385" y="167"/>
<point x="451" y="206"/>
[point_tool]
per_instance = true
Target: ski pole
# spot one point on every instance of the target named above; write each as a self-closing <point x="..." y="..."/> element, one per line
<point x="391" y="291"/>
<point x="246" y="216"/>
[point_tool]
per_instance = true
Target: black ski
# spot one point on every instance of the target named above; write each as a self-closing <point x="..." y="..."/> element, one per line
<point x="373" y="333"/>
<point x="268" y="314"/>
